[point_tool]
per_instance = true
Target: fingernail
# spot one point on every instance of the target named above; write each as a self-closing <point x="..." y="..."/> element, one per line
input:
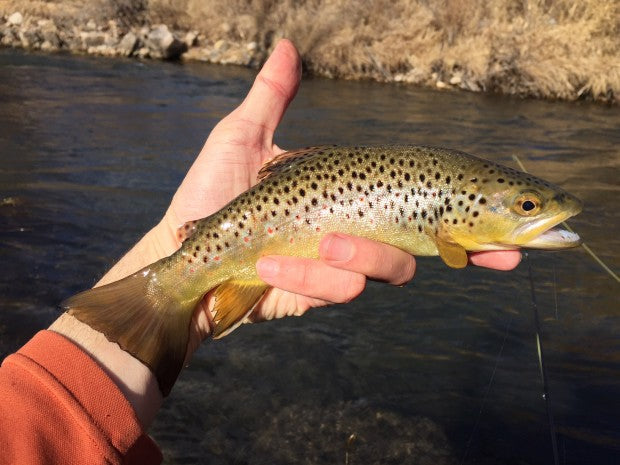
<point x="268" y="267"/>
<point x="337" y="248"/>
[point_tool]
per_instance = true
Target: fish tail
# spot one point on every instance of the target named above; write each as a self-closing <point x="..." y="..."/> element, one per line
<point x="145" y="320"/>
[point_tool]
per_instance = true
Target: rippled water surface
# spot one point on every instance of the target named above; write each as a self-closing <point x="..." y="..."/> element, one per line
<point x="444" y="370"/>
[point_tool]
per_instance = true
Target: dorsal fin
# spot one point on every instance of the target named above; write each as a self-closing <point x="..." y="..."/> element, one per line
<point x="283" y="160"/>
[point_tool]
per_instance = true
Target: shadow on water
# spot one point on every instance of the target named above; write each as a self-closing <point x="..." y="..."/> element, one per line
<point x="443" y="370"/>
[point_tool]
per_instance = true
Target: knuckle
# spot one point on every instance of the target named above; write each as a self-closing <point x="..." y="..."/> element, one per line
<point x="406" y="272"/>
<point x="354" y="286"/>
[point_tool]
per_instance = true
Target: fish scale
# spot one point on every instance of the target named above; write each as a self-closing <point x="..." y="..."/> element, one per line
<point x="423" y="200"/>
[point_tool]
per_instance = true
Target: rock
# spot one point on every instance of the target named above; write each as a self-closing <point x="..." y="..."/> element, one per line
<point x="30" y="38"/>
<point x="15" y="19"/>
<point x="128" y="44"/>
<point x="441" y="85"/>
<point x="162" y="43"/>
<point x="191" y="38"/>
<point x="221" y="45"/>
<point x="196" y="53"/>
<point x="49" y="34"/>
<point x="143" y="52"/>
<point x="92" y="39"/>
<point x="252" y="46"/>
<point x="113" y="29"/>
<point x="91" y="25"/>
<point x="455" y="80"/>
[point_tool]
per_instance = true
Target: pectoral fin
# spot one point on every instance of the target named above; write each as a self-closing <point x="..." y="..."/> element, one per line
<point x="453" y="254"/>
<point x="234" y="300"/>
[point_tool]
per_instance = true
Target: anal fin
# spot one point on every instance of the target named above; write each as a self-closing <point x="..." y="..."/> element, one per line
<point x="234" y="300"/>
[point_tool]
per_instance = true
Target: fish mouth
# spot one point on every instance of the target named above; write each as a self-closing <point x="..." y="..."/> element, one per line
<point x="542" y="234"/>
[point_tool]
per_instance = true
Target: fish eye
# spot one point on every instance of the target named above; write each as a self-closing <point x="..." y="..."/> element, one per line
<point x="527" y="204"/>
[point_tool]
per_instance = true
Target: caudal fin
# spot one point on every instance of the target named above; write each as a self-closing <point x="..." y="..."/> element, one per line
<point x="145" y="321"/>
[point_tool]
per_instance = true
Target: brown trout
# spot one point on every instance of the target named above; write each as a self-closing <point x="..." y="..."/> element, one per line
<point x="423" y="200"/>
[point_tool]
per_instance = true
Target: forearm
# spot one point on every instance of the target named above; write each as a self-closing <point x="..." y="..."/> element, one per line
<point x="156" y="244"/>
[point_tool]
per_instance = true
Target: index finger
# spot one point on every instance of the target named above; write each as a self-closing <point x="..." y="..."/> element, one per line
<point x="376" y="260"/>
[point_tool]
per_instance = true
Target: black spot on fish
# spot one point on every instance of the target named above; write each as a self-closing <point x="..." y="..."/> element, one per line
<point x="302" y="192"/>
<point x="471" y="196"/>
<point x="500" y="180"/>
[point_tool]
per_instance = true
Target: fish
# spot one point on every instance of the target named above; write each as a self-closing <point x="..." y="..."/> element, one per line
<point x="424" y="200"/>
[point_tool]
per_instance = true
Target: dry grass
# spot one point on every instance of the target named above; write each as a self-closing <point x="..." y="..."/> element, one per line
<point x="546" y="48"/>
<point x="558" y="49"/>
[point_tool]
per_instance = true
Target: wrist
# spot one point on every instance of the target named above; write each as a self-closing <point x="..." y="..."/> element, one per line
<point x="134" y="379"/>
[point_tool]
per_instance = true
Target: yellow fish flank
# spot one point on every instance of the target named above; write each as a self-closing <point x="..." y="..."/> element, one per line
<point x="424" y="200"/>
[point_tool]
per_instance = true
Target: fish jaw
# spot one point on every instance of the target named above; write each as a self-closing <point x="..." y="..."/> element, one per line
<point x="542" y="234"/>
<point x="554" y="238"/>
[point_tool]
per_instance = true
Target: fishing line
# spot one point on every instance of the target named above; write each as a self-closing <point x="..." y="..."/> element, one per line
<point x="487" y="391"/>
<point x="583" y="244"/>
<point x="541" y="364"/>
<point x="555" y="290"/>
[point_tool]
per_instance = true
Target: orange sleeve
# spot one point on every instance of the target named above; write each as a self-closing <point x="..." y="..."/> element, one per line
<point x="58" y="406"/>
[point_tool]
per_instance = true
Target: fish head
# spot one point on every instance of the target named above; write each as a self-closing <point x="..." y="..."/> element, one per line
<point x="501" y="208"/>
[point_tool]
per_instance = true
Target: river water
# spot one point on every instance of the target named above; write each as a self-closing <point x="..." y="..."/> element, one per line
<point x="444" y="370"/>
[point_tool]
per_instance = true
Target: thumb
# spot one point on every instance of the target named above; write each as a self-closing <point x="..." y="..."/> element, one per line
<point x="274" y="87"/>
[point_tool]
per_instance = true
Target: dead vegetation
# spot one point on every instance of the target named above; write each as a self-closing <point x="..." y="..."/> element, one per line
<point x="566" y="49"/>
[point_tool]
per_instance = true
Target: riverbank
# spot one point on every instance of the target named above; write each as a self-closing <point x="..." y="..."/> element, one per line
<point x="565" y="51"/>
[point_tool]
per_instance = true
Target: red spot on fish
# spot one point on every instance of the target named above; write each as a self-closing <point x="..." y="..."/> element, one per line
<point x="409" y="218"/>
<point x="297" y="217"/>
<point x="318" y="229"/>
<point x="348" y="216"/>
<point x="246" y="239"/>
<point x="291" y="240"/>
<point x="191" y="270"/>
<point x="216" y="258"/>
<point x="270" y="230"/>
<point x="361" y="199"/>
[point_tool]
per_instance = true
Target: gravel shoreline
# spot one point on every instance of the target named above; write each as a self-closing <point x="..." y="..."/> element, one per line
<point x="115" y="38"/>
